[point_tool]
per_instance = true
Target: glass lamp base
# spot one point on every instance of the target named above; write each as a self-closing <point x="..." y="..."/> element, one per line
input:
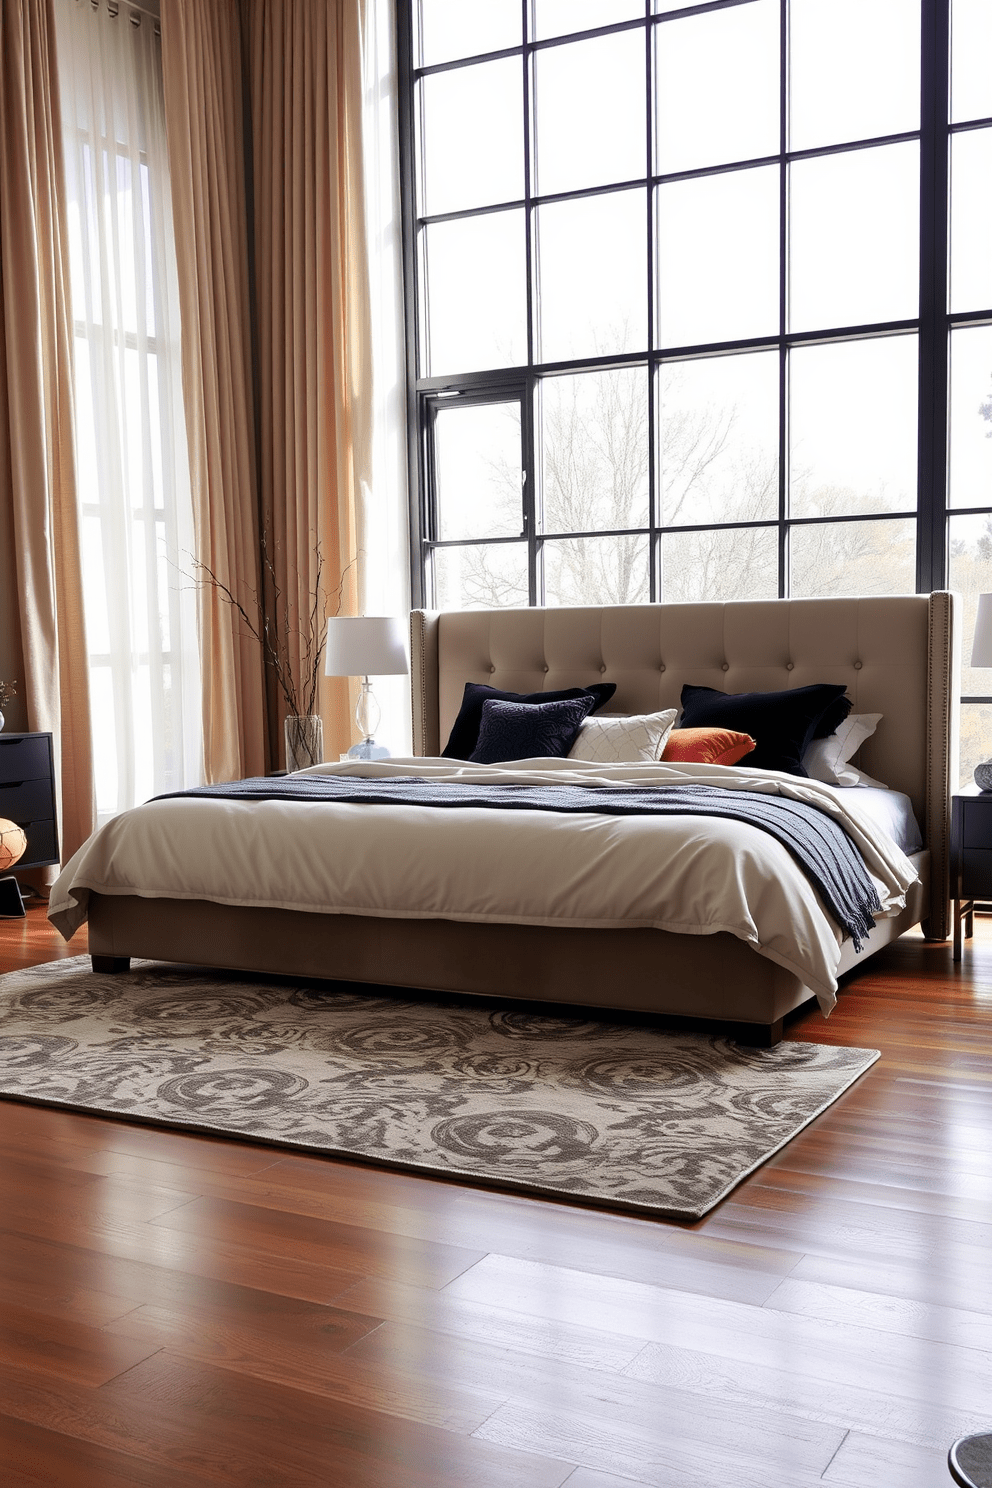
<point x="368" y="749"/>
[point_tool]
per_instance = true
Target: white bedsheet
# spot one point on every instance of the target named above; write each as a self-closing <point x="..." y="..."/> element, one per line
<point x="692" y="875"/>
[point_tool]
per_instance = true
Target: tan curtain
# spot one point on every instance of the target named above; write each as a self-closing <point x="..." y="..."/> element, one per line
<point x="37" y="465"/>
<point x="201" y="63"/>
<point x="314" y="324"/>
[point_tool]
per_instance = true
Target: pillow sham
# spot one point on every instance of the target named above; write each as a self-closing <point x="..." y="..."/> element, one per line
<point x="512" y="731"/>
<point x="828" y="759"/>
<point x="707" y="746"/>
<point x="465" y="729"/>
<point x="782" y="723"/>
<point x="623" y="739"/>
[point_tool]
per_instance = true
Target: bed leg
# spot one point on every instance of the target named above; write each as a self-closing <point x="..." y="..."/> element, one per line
<point x="109" y="965"/>
<point x="759" y="1035"/>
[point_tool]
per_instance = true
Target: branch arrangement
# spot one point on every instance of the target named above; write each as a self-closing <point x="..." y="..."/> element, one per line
<point x="274" y="631"/>
<point x="8" y="690"/>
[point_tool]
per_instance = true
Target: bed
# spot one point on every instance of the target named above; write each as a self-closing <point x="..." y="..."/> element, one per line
<point x="895" y="655"/>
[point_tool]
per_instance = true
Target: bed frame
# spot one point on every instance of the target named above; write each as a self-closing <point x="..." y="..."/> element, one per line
<point x="896" y="655"/>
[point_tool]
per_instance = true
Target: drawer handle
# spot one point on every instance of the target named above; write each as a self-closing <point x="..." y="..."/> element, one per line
<point x="10" y="742"/>
<point x="13" y="784"/>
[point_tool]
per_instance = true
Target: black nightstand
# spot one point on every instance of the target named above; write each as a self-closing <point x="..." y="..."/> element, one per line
<point x="971" y="858"/>
<point x="27" y="795"/>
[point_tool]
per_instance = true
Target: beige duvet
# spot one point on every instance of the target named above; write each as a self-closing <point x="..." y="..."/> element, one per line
<point x="692" y="875"/>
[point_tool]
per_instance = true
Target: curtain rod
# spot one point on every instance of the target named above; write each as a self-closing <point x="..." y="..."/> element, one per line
<point x="114" y="8"/>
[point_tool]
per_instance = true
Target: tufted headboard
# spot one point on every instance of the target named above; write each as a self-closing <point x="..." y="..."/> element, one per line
<point x="897" y="656"/>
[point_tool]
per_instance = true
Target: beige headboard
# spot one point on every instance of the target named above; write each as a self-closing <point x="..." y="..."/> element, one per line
<point x="897" y="656"/>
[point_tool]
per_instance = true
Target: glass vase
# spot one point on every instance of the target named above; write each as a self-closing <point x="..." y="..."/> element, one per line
<point x="304" y="742"/>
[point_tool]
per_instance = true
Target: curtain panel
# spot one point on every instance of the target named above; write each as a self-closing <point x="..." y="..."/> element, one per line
<point x="37" y="463"/>
<point x="285" y="179"/>
<point x="202" y="74"/>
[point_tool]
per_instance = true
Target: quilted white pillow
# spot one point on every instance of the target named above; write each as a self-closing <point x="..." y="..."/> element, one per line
<point x="629" y="739"/>
<point x="827" y="759"/>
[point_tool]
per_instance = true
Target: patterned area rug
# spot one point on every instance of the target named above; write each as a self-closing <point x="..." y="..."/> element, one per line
<point x="610" y="1113"/>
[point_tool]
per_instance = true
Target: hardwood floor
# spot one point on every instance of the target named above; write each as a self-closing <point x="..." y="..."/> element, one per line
<point x="179" y="1310"/>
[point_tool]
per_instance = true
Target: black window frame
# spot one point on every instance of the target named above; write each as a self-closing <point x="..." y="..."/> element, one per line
<point x="932" y="327"/>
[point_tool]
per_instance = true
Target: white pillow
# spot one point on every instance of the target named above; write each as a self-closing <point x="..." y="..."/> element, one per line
<point x="827" y="759"/>
<point x="627" y="739"/>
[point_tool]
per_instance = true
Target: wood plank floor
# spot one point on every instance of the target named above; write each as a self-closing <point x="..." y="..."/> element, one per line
<point x="178" y="1310"/>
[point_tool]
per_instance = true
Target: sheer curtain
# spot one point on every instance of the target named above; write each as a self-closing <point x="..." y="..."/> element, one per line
<point x="133" y="469"/>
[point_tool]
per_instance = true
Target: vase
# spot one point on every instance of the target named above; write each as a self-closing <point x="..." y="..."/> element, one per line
<point x="1" y="721"/>
<point x="304" y="742"/>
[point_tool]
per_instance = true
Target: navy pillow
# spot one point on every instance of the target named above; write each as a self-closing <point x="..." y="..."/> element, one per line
<point x="782" y="723"/>
<point x="513" y="731"/>
<point x="465" y="729"/>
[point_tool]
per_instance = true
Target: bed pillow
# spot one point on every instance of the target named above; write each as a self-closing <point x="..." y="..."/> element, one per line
<point x="465" y="729"/>
<point x="781" y="723"/>
<point x="827" y="759"/>
<point x="513" y="731"/>
<point x="623" y="739"/>
<point x="707" y="746"/>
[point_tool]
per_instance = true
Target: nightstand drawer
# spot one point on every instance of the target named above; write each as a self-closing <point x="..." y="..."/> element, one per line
<point x="26" y="758"/>
<point x="976" y="873"/>
<point x="42" y="846"/>
<point x="30" y="800"/>
<point x="976" y="822"/>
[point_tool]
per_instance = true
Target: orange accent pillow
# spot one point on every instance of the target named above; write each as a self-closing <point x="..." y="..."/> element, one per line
<point x="706" y="746"/>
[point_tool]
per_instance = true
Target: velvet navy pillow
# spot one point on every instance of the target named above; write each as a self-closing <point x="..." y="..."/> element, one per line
<point x="465" y="729"/>
<point x="513" y="731"/>
<point x="783" y="723"/>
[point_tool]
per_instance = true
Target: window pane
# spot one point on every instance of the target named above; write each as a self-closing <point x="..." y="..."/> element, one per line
<point x="971" y="48"/>
<point x="971" y="220"/>
<point x="596" y="570"/>
<point x="739" y="563"/>
<point x="705" y="292"/>
<point x="854" y="558"/>
<point x="970" y="574"/>
<point x="855" y="70"/>
<point x="451" y="28"/>
<point x="476" y="293"/>
<point x="976" y="739"/>
<point x="852" y="424"/>
<point x="477" y="462"/>
<point x="718" y="423"/>
<point x="484" y="577"/>
<point x="593" y="259"/>
<point x="855" y="238"/>
<point x="590" y="113"/>
<point x="559" y="17"/>
<point x="473" y="137"/>
<point x="970" y="411"/>
<point x="718" y="87"/>
<point x="595" y="450"/>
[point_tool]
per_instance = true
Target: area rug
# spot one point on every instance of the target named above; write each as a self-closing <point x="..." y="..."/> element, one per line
<point x="612" y="1113"/>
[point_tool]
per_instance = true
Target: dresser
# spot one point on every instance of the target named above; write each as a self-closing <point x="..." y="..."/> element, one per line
<point x="27" y="794"/>
<point x="971" y="858"/>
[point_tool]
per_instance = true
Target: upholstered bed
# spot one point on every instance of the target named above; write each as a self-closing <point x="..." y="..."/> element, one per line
<point x="895" y="656"/>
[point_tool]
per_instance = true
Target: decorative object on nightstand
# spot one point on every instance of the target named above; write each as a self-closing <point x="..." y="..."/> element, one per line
<point x="981" y="656"/>
<point x="304" y="742"/>
<point x="13" y="845"/>
<point x="970" y="1460"/>
<point x="8" y="690"/>
<point x="27" y="804"/>
<point x="366" y="646"/>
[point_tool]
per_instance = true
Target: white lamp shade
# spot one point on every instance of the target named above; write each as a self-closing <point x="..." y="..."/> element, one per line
<point x="981" y="650"/>
<point x="366" y="646"/>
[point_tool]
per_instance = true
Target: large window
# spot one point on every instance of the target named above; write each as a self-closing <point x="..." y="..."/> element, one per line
<point x="680" y="313"/>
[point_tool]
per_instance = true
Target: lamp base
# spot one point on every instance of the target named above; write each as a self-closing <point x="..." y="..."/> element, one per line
<point x="368" y="749"/>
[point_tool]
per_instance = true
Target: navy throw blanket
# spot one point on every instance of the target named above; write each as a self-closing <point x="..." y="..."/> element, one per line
<point x="816" y="841"/>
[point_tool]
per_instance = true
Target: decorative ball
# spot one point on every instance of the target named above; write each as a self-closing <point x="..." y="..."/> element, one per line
<point x="12" y="843"/>
<point x="983" y="776"/>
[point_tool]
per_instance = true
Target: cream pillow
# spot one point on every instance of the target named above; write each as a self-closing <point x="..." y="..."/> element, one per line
<point x="627" y="739"/>
<point x="827" y="759"/>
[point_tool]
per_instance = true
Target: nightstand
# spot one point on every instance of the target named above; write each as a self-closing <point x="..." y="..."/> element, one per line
<point x="971" y="858"/>
<point x="27" y="795"/>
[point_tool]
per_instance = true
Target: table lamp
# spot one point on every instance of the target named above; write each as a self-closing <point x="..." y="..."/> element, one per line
<point x="981" y="656"/>
<point x="366" y="646"/>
